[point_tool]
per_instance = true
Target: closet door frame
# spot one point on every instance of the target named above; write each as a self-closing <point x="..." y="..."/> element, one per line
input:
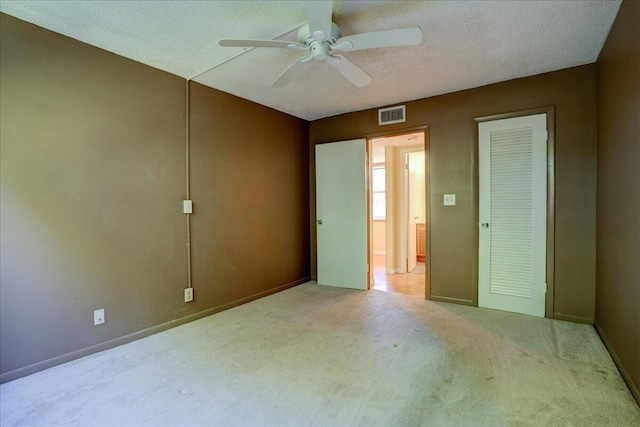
<point x="550" y="241"/>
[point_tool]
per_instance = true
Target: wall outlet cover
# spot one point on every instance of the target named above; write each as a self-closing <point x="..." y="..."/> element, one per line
<point x="188" y="294"/>
<point x="449" y="199"/>
<point x="98" y="317"/>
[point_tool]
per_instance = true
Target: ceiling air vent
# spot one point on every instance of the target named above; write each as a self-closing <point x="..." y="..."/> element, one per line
<point x="387" y="116"/>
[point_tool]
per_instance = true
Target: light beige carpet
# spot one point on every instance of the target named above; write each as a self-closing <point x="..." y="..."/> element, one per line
<point x="321" y="356"/>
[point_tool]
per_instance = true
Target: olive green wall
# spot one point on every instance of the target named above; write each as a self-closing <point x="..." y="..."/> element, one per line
<point x="618" y="202"/>
<point x="249" y="169"/>
<point x="452" y="136"/>
<point x="92" y="149"/>
<point x="93" y="172"/>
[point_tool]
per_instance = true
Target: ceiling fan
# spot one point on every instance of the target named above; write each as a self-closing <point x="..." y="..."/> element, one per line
<point x="323" y="39"/>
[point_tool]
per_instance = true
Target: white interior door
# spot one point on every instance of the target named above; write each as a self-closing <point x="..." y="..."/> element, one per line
<point x="341" y="213"/>
<point x="512" y="213"/>
<point x="412" y="253"/>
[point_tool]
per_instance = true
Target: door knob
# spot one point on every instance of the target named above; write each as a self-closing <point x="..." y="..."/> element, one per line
<point x="320" y="221"/>
<point x="485" y="225"/>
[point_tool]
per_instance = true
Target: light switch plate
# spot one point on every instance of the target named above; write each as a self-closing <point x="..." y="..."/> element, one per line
<point x="187" y="206"/>
<point x="98" y="317"/>
<point x="449" y="199"/>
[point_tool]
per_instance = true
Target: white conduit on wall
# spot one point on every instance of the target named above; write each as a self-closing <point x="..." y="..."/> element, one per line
<point x="187" y="181"/>
<point x="186" y="119"/>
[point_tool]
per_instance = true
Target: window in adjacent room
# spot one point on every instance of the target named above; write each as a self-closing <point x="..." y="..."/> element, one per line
<point x="379" y="195"/>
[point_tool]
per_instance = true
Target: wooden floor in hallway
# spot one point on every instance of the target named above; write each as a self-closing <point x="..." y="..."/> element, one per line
<point x="407" y="283"/>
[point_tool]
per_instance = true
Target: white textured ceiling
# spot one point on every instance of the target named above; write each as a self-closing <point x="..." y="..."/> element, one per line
<point x="466" y="44"/>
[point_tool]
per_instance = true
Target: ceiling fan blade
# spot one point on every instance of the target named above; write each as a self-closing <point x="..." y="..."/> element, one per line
<point x="291" y="73"/>
<point x="351" y="71"/>
<point x="399" y="37"/>
<point x="319" y="17"/>
<point x="259" y="43"/>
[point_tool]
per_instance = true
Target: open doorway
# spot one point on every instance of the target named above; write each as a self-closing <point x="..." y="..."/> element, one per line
<point x="398" y="243"/>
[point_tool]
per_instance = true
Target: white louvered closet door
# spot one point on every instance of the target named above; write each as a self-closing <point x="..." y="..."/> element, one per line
<point x="512" y="213"/>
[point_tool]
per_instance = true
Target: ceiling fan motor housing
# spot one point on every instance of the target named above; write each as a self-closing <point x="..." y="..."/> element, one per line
<point x="305" y="36"/>
<point x="319" y="46"/>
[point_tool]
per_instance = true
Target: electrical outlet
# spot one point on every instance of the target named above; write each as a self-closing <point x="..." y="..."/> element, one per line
<point x="98" y="317"/>
<point x="449" y="199"/>
<point x="188" y="294"/>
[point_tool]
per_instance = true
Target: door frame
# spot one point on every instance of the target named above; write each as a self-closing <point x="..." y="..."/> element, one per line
<point x="550" y="245"/>
<point x="427" y="185"/>
<point x="404" y="205"/>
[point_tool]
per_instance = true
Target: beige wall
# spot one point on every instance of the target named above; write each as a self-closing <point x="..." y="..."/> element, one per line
<point x="92" y="177"/>
<point x="379" y="237"/>
<point x="390" y="152"/>
<point x="397" y="231"/>
<point x="416" y="161"/>
<point x="618" y="209"/>
<point x="452" y="139"/>
<point x="392" y="157"/>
